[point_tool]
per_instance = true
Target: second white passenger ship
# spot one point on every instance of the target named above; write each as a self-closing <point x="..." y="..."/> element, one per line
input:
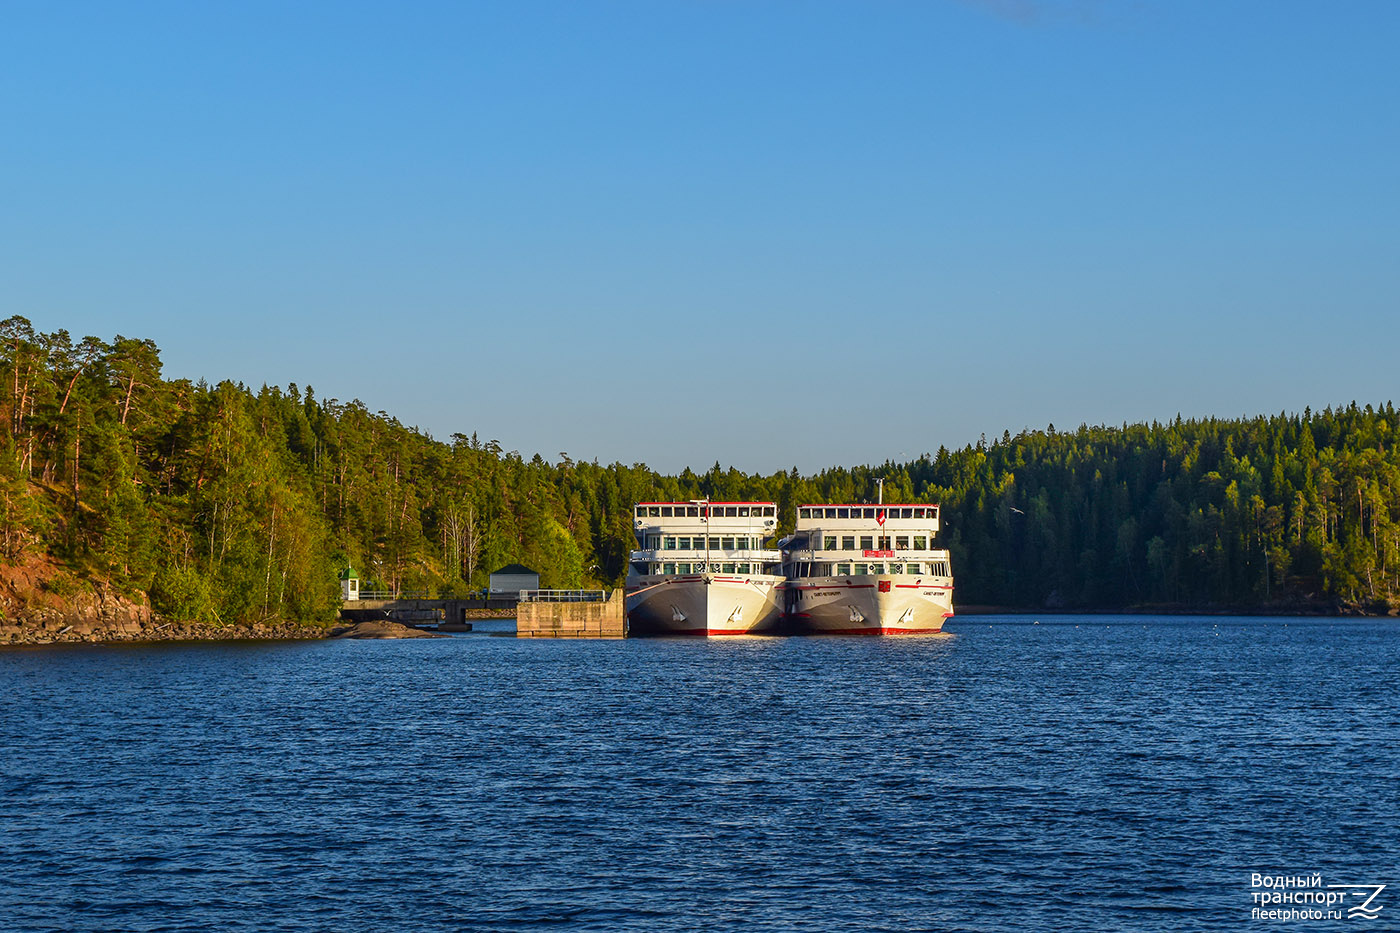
<point x="867" y="569"/>
<point x="701" y="568"/>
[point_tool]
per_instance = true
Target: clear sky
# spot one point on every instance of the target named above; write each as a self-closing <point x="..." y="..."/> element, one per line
<point x="769" y="234"/>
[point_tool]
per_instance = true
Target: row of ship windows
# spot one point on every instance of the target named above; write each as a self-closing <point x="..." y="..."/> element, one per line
<point x="923" y="511"/>
<point x="682" y="543"/>
<point x="697" y="511"/>
<point x="868" y="543"/>
<point x="937" y="568"/>
<point x="700" y="568"/>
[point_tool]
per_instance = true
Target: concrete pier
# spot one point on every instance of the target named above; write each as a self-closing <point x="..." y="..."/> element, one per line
<point x="544" y="618"/>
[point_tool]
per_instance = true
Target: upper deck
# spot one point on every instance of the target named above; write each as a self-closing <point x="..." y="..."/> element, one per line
<point x="894" y="516"/>
<point x="752" y="517"/>
<point x="686" y="537"/>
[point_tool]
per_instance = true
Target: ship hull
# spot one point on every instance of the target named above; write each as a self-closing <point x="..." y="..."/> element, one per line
<point x="708" y="605"/>
<point x="869" y="605"/>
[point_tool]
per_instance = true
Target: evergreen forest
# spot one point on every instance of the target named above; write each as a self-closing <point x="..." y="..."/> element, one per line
<point x="220" y="503"/>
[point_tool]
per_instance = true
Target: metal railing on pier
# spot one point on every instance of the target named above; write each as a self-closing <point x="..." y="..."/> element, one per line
<point x="390" y="594"/>
<point x="563" y="596"/>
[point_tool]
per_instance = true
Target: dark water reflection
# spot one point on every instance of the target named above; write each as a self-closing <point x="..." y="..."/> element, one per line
<point x="1089" y="773"/>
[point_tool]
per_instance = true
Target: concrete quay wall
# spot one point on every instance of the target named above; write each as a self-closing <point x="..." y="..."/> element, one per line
<point x="572" y="620"/>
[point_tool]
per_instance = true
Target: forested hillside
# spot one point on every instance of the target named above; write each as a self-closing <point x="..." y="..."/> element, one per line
<point x="220" y="503"/>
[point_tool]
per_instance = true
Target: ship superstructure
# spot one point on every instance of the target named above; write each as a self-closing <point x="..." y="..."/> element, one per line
<point x="867" y="569"/>
<point x="701" y="568"/>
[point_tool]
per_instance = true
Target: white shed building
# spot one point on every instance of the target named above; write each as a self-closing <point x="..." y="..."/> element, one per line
<point x="511" y="579"/>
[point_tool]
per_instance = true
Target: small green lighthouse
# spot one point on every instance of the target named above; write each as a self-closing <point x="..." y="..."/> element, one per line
<point x="349" y="585"/>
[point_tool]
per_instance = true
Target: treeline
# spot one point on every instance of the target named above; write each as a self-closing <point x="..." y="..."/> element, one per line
<point x="221" y="503"/>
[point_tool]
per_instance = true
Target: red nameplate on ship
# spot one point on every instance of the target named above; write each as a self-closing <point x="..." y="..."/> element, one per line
<point x="878" y="553"/>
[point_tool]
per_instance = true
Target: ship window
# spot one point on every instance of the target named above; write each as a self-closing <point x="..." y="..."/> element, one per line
<point x="731" y="511"/>
<point x="714" y="568"/>
<point x="768" y="511"/>
<point x="830" y="513"/>
<point x="869" y="513"/>
<point x="896" y="568"/>
<point x="714" y="544"/>
<point x="830" y="542"/>
<point x="692" y="511"/>
<point x="654" y="511"/>
<point x="743" y="511"/>
<point x="902" y="542"/>
<point x="665" y="511"/>
<point x="682" y="568"/>
<point x="668" y="568"/>
<point x="867" y="543"/>
<point x="877" y="568"/>
<point x="885" y="543"/>
<point x="920" y="543"/>
<point x="860" y="569"/>
<point x="655" y="568"/>
<point x="915" y="569"/>
<point x="669" y="543"/>
<point x="727" y="568"/>
<point x="742" y="568"/>
<point x="848" y="542"/>
<point x="843" y="570"/>
<point x="727" y="544"/>
<point x="843" y="513"/>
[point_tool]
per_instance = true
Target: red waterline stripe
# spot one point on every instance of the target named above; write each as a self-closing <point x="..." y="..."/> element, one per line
<point x="702" y="632"/>
<point x="877" y="631"/>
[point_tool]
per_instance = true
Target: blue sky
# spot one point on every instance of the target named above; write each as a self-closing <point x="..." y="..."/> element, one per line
<point x="769" y="234"/>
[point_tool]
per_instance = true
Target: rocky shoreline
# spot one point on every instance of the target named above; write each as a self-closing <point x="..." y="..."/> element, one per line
<point x="106" y="631"/>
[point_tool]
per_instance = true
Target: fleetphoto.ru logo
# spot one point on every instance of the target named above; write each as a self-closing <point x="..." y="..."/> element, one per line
<point x="1306" y="897"/>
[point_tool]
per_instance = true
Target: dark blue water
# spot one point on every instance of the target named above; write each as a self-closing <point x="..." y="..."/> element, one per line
<point x="1080" y="774"/>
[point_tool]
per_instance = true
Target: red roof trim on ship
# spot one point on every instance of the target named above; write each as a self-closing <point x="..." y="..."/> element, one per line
<point x="688" y="502"/>
<point x="869" y="505"/>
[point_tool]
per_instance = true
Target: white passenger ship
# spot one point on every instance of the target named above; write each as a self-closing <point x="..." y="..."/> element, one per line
<point x="701" y="569"/>
<point x="867" y="569"/>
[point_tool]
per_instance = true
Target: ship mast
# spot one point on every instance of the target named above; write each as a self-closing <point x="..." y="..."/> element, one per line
<point x="705" y="518"/>
<point x="880" y="497"/>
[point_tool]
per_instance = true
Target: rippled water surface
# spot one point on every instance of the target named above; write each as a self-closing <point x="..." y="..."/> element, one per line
<point x="1086" y="773"/>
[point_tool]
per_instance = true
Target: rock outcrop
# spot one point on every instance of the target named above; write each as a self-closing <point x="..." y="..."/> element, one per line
<point x="380" y="629"/>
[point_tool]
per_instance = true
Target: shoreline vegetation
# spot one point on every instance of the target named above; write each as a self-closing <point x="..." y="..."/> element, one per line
<point x="128" y="500"/>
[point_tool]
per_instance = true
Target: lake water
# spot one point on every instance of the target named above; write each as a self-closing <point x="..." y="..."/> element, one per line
<point x="1084" y="773"/>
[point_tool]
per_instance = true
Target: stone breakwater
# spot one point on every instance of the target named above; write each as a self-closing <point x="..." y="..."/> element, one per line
<point x="62" y="628"/>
